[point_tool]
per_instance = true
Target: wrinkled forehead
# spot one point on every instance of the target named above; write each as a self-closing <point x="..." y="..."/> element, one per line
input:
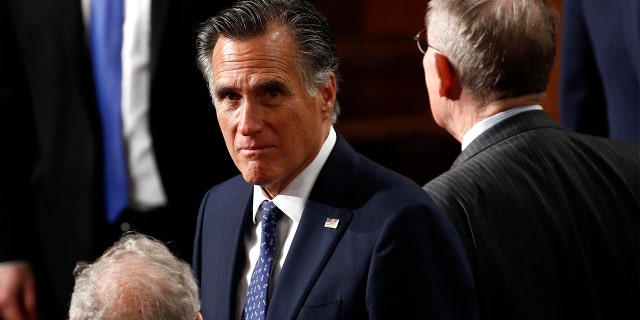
<point x="272" y="52"/>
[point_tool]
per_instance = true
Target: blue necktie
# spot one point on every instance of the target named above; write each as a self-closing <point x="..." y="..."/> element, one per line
<point x="107" y="17"/>
<point x="255" y="306"/>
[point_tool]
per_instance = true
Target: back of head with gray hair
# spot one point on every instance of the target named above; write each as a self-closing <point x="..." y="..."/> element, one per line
<point x="316" y="50"/>
<point x="498" y="48"/>
<point x="137" y="278"/>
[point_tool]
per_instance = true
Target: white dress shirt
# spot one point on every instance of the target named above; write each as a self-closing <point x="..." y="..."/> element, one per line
<point x="291" y="201"/>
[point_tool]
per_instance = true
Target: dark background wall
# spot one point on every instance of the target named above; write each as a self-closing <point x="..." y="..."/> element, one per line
<point x="386" y="113"/>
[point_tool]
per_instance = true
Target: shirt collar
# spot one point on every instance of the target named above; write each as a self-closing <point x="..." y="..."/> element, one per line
<point x="292" y="199"/>
<point x="487" y="123"/>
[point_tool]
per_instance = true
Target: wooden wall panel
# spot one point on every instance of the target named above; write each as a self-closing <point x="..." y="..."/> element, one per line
<point x="386" y="113"/>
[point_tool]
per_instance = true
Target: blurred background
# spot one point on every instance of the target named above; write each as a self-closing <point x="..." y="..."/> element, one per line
<point x="385" y="108"/>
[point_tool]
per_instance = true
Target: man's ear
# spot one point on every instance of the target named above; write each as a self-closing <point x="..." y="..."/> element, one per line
<point x="198" y="316"/>
<point x="327" y="93"/>
<point x="449" y="84"/>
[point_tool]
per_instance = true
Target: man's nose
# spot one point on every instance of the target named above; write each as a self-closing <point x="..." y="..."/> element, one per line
<point x="251" y="118"/>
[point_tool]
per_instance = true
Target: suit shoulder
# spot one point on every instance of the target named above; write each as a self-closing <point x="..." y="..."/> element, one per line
<point x="446" y="190"/>
<point x="235" y="185"/>
<point x="375" y="171"/>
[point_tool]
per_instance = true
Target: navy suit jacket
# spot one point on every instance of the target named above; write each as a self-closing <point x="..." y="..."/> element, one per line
<point x="549" y="219"/>
<point x="600" y="68"/>
<point x="392" y="256"/>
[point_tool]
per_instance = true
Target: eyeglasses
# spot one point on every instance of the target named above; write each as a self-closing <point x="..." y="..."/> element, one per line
<point x="422" y="41"/>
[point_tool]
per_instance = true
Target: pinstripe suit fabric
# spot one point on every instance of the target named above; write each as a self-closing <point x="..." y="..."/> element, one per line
<point x="549" y="219"/>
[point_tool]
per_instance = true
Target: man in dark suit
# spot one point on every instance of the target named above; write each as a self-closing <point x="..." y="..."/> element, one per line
<point x="549" y="218"/>
<point x="51" y="198"/>
<point x="600" y="68"/>
<point x="353" y="240"/>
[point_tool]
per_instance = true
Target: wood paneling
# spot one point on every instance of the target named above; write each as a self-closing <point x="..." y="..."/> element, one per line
<point x="385" y="106"/>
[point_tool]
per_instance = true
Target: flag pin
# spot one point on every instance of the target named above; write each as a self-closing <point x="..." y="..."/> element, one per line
<point x="331" y="223"/>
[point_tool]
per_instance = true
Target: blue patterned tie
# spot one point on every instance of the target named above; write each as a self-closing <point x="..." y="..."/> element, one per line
<point x="255" y="306"/>
<point x="107" y="17"/>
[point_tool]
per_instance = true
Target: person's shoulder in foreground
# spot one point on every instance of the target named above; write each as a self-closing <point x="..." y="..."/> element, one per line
<point x="355" y="240"/>
<point x="137" y="278"/>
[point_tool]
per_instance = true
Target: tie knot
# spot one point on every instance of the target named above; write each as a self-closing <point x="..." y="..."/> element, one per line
<point x="270" y="214"/>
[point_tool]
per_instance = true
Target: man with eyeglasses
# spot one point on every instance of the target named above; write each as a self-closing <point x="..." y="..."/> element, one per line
<point x="549" y="217"/>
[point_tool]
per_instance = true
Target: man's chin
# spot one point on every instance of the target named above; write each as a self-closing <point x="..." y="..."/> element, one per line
<point x="256" y="177"/>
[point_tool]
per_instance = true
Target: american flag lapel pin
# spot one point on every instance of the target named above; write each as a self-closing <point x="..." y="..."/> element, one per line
<point x="331" y="223"/>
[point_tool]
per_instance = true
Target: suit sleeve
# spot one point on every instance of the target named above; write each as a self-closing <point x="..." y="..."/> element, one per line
<point x="17" y="145"/>
<point x="420" y="270"/>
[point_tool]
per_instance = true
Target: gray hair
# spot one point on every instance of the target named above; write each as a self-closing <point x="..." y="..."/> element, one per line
<point x="316" y="48"/>
<point x="498" y="48"/>
<point x="137" y="278"/>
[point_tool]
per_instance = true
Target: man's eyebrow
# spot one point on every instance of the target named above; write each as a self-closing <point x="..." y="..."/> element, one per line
<point x="271" y="85"/>
<point x="224" y="89"/>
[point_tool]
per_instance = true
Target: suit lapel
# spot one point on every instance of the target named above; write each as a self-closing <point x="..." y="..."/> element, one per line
<point x="228" y="241"/>
<point x="314" y="243"/>
<point x="312" y="246"/>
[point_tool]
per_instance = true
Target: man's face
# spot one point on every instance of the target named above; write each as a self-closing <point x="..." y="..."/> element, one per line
<point x="272" y="128"/>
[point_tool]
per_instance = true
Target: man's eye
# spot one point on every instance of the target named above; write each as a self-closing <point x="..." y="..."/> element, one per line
<point x="228" y="96"/>
<point x="274" y="93"/>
